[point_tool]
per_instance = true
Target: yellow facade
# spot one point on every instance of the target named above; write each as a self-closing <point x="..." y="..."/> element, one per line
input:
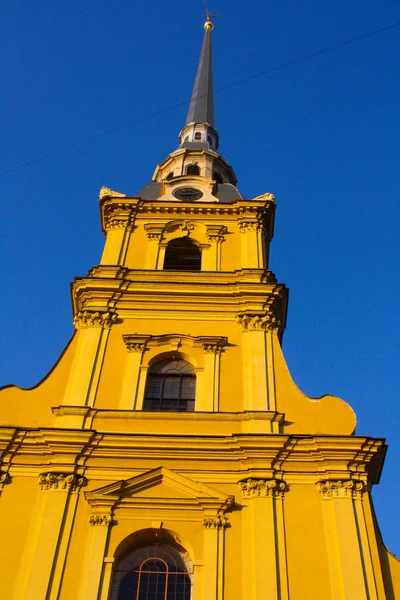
<point x="263" y="492"/>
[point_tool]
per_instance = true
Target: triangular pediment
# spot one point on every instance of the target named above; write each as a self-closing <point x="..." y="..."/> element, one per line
<point x="160" y="483"/>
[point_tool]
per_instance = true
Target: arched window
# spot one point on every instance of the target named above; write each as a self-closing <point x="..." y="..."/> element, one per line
<point x="197" y="135"/>
<point x="153" y="572"/>
<point x="170" y="385"/>
<point x="192" y="170"/>
<point x="182" y="254"/>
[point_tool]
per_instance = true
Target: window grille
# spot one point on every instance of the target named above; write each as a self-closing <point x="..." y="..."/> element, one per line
<point x="156" y="572"/>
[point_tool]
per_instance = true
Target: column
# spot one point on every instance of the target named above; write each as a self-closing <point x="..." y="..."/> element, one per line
<point x="214" y="558"/>
<point x="93" y="330"/>
<point x="264" y="543"/>
<point x="50" y="528"/>
<point x="347" y="543"/>
<point x="94" y="569"/>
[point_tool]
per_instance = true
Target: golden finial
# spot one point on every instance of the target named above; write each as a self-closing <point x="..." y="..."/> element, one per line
<point x="208" y="24"/>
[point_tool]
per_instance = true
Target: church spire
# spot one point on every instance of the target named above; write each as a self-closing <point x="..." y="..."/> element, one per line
<point x="200" y="120"/>
<point x="201" y="107"/>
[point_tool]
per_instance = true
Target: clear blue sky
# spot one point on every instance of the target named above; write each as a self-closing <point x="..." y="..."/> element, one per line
<point x="323" y="135"/>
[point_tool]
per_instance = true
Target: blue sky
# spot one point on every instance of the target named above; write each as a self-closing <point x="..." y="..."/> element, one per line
<point x="323" y="135"/>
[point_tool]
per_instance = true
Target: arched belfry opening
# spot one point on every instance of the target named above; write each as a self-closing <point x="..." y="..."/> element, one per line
<point x="152" y="565"/>
<point x="182" y="254"/>
<point x="192" y="170"/>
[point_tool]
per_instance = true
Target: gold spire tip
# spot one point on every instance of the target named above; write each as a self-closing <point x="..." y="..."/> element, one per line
<point x="208" y="24"/>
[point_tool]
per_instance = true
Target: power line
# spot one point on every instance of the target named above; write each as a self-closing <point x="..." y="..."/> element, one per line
<point x="186" y="102"/>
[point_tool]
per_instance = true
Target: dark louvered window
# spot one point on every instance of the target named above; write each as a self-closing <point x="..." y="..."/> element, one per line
<point x="170" y="385"/>
<point x="182" y="254"/>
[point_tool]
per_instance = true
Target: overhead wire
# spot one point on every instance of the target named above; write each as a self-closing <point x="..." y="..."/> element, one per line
<point x="186" y="102"/>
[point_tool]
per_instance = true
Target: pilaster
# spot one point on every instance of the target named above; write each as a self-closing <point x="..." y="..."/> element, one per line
<point x="93" y="584"/>
<point x="264" y="536"/>
<point x="214" y="549"/>
<point x="41" y="570"/>
<point x="131" y="383"/>
<point x="93" y="331"/>
<point x="258" y="367"/>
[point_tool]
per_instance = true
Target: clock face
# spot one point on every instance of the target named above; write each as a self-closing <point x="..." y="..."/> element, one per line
<point x="187" y="193"/>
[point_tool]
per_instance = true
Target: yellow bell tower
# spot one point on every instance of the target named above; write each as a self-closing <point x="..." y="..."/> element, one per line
<point x="169" y="455"/>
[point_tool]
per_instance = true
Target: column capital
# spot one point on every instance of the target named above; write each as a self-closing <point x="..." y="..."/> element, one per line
<point x="60" y="481"/>
<point x="263" y="488"/>
<point x="90" y="318"/>
<point x="259" y="322"/>
<point x="218" y="522"/>
<point x="104" y="520"/>
<point x="342" y="488"/>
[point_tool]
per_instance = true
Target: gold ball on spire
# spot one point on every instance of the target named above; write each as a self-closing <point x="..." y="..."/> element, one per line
<point x="209" y="25"/>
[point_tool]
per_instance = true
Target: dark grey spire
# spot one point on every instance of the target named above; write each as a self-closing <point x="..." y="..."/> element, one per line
<point x="201" y="107"/>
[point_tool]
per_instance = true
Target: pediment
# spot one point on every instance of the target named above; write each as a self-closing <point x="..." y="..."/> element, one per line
<point x="163" y="484"/>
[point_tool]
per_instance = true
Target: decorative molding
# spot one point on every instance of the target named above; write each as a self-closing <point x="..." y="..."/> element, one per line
<point x="90" y="318"/>
<point x="266" y="196"/>
<point x="105" y="192"/>
<point x="136" y="343"/>
<point x="104" y="520"/>
<point x="219" y="522"/>
<point x="118" y="222"/>
<point x="342" y="488"/>
<point x="268" y="322"/>
<point x="60" y="481"/>
<point x="263" y="488"/>
<point x="154" y="231"/>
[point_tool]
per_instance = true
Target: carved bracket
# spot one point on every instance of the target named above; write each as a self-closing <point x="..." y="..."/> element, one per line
<point x="263" y="488"/>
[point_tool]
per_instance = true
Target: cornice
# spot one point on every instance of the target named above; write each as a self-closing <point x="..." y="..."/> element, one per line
<point x="247" y="293"/>
<point x="307" y="459"/>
